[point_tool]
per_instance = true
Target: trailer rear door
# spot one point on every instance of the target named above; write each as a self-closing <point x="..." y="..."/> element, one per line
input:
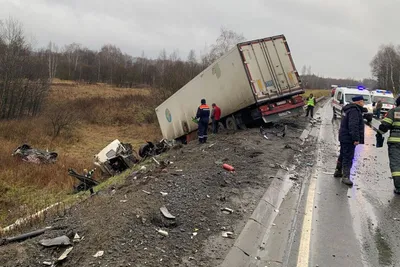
<point x="270" y="68"/>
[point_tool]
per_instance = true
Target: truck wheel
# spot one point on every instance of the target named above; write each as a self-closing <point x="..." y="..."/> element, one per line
<point x="231" y="123"/>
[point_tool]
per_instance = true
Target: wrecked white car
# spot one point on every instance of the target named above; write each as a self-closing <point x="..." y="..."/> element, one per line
<point x="29" y="154"/>
<point x="115" y="158"/>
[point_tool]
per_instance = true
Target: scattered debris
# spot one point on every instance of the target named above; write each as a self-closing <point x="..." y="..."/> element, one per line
<point x="166" y="213"/>
<point x="282" y="167"/>
<point x="115" y="158"/>
<point x="273" y="224"/>
<point x="123" y="200"/>
<point x="228" y="167"/>
<point x="179" y="170"/>
<point x="276" y="210"/>
<point x="164" y="194"/>
<point x="151" y="149"/>
<point x="143" y="168"/>
<point x="47" y="263"/>
<point x="24" y="236"/>
<point x="147" y="192"/>
<point x="328" y="173"/>
<point x="29" y="154"/>
<point x="293" y="177"/>
<point x="58" y="241"/>
<point x="64" y="255"/>
<point x="210" y="146"/>
<point x="227" y="235"/>
<point x="162" y="232"/>
<point x="99" y="254"/>
<point x="227" y="210"/>
<point x="156" y="161"/>
<point x="77" y="238"/>
<point x="86" y="180"/>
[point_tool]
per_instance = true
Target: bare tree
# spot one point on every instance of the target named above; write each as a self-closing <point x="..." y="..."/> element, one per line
<point x="52" y="51"/>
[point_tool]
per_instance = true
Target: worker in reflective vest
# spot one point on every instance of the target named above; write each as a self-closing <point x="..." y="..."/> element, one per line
<point x="203" y="117"/>
<point x="391" y="123"/>
<point x="310" y="105"/>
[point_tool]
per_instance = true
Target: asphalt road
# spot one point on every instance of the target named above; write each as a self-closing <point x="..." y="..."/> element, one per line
<point x="334" y="225"/>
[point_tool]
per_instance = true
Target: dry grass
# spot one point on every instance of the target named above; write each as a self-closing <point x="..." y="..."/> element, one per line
<point x="104" y="114"/>
<point x="317" y="92"/>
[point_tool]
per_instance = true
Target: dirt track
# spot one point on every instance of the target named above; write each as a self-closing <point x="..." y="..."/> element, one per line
<point x="123" y="222"/>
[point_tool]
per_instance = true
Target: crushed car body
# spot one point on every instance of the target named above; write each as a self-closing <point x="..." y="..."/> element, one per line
<point x="29" y="154"/>
<point x="115" y="158"/>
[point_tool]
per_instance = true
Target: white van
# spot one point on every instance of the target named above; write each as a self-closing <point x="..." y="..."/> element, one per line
<point x="343" y="96"/>
<point x="387" y="98"/>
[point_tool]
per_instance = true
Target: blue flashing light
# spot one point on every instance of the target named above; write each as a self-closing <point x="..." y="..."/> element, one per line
<point x="360" y="87"/>
<point x="388" y="92"/>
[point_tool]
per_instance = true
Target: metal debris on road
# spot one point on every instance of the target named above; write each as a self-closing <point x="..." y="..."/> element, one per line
<point x="227" y="210"/>
<point x="162" y="232"/>
<point x="227" y="235"/>
<point x="99" y="254"/>
<point x="58" y="241"/>
<point x="64" y="255"/>
<point x="156" y="161"/>
<point x="147" y="192"/>
<point x="164" y="194"/>
<point x="166" y="213"/>
<point x="24" y="236"/>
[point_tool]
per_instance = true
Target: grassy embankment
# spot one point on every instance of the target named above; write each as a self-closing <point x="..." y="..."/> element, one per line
<point x="102" y="114"/>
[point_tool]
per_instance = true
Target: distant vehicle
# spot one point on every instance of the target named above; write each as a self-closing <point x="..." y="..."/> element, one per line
<point x="343" y="96"/>
<point x="333" y="89"/>
<point x="255" y="80"/>
<point x="387" y="98"/>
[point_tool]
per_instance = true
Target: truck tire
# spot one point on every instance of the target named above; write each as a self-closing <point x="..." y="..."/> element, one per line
<point x="231" y="123"/>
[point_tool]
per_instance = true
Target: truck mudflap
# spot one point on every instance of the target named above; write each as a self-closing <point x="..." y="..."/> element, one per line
<point x="286" y="108"/>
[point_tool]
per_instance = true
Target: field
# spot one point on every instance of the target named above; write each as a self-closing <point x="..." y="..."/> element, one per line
<point x="100" y="115"/>
<point x="317" y="92"/>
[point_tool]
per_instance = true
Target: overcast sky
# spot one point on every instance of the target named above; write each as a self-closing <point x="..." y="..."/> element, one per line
<point x="337" y="38"/>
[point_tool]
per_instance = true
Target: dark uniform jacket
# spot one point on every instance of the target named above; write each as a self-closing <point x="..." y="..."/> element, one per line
<point x="203" y="113"/>
<point x="352" y="125"/>
<point x="392" y="122"/>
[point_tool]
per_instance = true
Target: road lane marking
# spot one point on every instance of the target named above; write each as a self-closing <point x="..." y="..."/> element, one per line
<point x="305" y="238"/>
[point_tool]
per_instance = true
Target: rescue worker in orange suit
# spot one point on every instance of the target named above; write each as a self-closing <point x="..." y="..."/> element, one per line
<point x="203" y="117"/>
<point x="391" y="123"/>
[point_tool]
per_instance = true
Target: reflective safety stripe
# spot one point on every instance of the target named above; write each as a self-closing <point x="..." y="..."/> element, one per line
<point x="394" y="139"/>
<point x="395" y="174"/>
<point x="388" y="120"/>
<point x="310" y="102"/>
<point x="396" y="123"/>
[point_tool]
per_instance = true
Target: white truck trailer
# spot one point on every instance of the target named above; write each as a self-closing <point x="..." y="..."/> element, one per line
<point x="255" y="80"/>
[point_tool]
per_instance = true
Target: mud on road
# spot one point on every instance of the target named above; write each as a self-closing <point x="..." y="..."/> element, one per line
<point x="123" y="221"/>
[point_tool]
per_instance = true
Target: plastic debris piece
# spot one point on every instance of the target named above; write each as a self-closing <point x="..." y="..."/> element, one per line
<point x="58" y="241"/>
<point x="143" y="168"/>
<point x="99" y="254"/>
<point x="77" y="238"/>
<point x="65" y="254"/>
<point x="48" y="263"/>
<point x="162" y="232"/>
<point x="227" y="210"/>
<point x="166" y="213"/>
<point x="156" y="161"/>
<point x="227" y="234"/>
<point x="228" y="167"/>
<point x="164" y="194"/>
<point x="123" y="200"/>
<point x="147" y="192"/>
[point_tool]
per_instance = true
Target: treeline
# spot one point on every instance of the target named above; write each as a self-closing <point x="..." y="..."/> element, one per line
<point x="26" y="74"/>
<point x="24" y="81"/>
<point x="312" y="81"/>
<point x="168" y="72"/>
<point x="385" y="66"/>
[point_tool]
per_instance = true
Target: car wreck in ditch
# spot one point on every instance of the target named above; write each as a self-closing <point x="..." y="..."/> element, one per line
<point x="29" y="154"/>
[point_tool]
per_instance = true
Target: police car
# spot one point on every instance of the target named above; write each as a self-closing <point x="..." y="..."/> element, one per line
<point x="343" y="96"/>
<point x="387" y="98"/>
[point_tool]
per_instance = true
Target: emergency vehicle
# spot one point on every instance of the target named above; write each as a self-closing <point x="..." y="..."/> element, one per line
<point x="343" y="96"/>
<point x="387" y="98"/>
